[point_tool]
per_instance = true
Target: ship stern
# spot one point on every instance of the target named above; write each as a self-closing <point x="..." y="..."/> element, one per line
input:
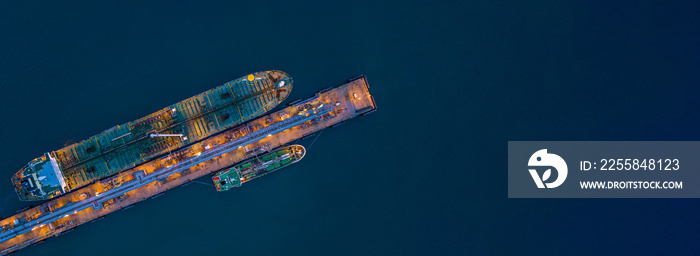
<point x="40" y="179"/>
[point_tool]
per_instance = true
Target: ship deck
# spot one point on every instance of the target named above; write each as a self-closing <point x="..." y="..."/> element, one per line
<point x="124" y="146"/>
<point x="210" y="155"/>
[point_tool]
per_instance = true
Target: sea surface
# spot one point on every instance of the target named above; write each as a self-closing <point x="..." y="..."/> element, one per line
<point x="454" y="81"/>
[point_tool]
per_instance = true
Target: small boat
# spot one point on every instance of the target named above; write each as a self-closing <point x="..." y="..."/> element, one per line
<point x="257" y="166"/>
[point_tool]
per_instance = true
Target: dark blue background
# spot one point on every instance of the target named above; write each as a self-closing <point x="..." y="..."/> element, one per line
<point x="426" y="174"/>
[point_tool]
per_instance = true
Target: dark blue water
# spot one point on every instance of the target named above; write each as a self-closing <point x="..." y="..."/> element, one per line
<point x="426" y="174"/>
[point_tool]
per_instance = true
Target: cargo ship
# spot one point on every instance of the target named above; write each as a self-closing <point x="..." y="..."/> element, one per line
<point x="58" y="216"/>
<point x="125" y="146"/>
<point x="258" y="166"/>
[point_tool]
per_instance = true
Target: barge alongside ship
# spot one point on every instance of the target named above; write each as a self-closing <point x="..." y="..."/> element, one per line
<point x="257" y="166"/>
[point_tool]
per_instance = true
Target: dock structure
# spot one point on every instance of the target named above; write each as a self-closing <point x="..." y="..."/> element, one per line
<point x="327" y="108"/>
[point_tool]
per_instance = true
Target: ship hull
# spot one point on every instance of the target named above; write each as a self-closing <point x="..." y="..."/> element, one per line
<point x="125" y="146"/>
<point x="257" y="166"/>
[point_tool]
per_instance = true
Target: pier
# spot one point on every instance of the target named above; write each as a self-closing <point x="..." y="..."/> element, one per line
<point x="327" y="108"/>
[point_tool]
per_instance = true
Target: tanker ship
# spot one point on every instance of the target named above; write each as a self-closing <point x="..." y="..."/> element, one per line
<point x="329" y="108"/>
<point x="125" y="146"/>
<point x="258" y="166"/>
